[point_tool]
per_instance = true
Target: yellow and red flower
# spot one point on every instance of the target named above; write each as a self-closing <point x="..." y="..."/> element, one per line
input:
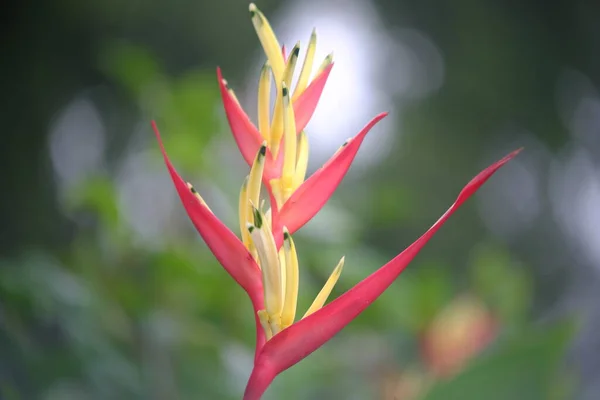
<point x="263" y="260"/>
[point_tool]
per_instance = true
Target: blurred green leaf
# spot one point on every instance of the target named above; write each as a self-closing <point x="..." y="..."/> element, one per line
<point x="417" y="296"/>
<point x="505" y="286"/>
<point x="190" y="119"/>
<point x="98" y="195"/>
<point x="434" y="290"/>
<point x="132" y="66"/>
<point x="522" y="368"/>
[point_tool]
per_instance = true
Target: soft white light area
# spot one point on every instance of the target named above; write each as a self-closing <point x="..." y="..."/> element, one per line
<point x="575" y="178"/>
<point x="512" y="202"/>
<point x="334" y="225"/>
<point x="76" y="142"/>
<point x="351" y="97"/>
<point x="372" y="70"/>
<point x="145" y="195"/>
<point x="422" y="61"/>
<point x="575" y="193"/>
<point x="238" y="361"/>
<point x="510" y="205"/>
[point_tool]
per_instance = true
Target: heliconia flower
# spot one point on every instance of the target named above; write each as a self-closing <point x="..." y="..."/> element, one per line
<point x="287" y="342"/>
<point x="295" y="201"/>
<point x="264" y="260"/>
<point x="305" y="336"/>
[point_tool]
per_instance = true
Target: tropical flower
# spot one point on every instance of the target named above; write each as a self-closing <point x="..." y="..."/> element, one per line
<point x="263" y="261"/>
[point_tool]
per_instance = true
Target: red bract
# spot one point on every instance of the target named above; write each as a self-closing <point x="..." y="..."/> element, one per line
<point x="310" y="197"/>
<point x="224" y="244"/>
<point x="305" y="336"/>
<point x="306" y="104"/>
<point x="247" y="136"/>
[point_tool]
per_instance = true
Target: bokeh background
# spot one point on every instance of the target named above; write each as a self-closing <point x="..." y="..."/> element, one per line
<point x="107" y="292"/>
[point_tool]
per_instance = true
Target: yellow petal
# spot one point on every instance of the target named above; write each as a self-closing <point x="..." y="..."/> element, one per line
<point x="269" y="42"/>
<point x="291" y="280"/>
<point x="243" y="213"/>
<point x="277" y="125"/>
<point x="324" y="293"/>
<point x="301" y="160"/>
<point x="291" y="65"/>
<point x="290" y="140"/>
<point x="255" y="176"/>
<point x="328" y="60"/>
<point x="306" y="66"/>
<point x="282" y="268"/>
<point x="264" y="99"/>
<point x="271" y="274"/>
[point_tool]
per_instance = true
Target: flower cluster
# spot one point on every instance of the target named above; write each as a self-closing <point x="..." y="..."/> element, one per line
<point x="263" y="259"/>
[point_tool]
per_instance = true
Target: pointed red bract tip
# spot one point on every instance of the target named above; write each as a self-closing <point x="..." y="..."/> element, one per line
<point x="312" y="195"/>
<point x="305" y="105"/>
<point x="305" y="336"/>
<point x="246" y="135"/>
<point x="223" y="243"/>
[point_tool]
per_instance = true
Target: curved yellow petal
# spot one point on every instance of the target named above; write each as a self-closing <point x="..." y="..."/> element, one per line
<point x="290" y="66"/>
<point x="269" y="42"/>
<point x="326" y="291"/>
<point x="306" y="66"/>
<point x="243" y="215"/>
<point x="291" y="280"/>
<point x="301" y="160"/>
<point x="271" y="273"/>
<point x="326" y="62"/>
<point x="256" y="173"/>
<point x="264" y="99"/>
<point x="277" y="123"/>
<point x="283" y="271"/>
<point x="290" y="141"/>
